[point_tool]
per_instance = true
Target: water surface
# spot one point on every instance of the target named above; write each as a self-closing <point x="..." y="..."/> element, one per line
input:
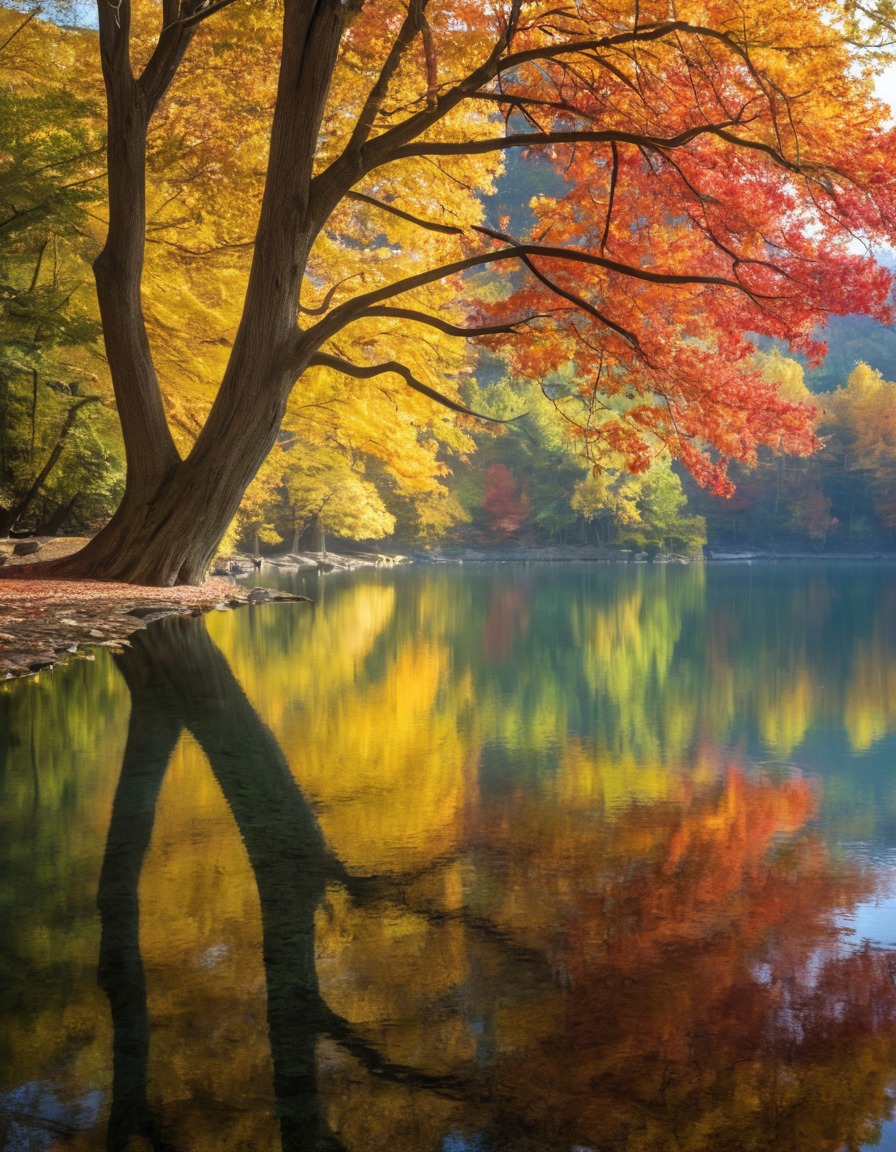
<point x="520" y="858"/>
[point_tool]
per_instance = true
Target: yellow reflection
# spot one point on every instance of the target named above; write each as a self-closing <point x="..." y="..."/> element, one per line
<point x="870" y="706"/>
<point x="786" y="713"/>
<point x="200" y="937"/>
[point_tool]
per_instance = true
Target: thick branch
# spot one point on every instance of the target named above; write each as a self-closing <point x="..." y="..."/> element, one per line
<point x="346" y="313"/>
<point x="368" y="371"/>
<point x="312" y="32"/>
<point x="584" y="305"/>
<point x="324" y="306"/>
<point x="581" y="136"/>
<point x="151" y="454"/>
<point x="203" y="12"/>
<point x="163" y="64"/>
<point x="408" y="33"/>
<point x="430" y="225"/>
<point x="385" y="147"/>
<point x="445" y="326"/>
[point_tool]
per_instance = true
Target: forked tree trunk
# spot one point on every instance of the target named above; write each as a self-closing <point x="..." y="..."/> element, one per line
<point x="174" y="512"/>
<point x="168" y="535"/>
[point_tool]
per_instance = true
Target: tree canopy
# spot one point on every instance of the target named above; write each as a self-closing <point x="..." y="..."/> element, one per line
<point x="699" y="175"/>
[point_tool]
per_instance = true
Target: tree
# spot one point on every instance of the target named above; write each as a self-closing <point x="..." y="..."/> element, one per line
<point x="862" y="420"/>
<point x="505" y="506"/>
<point x="50" y="153"/>
<point x="661" y="523"/>
<point x="309" y="492"/>
<point x="717" y="167"/>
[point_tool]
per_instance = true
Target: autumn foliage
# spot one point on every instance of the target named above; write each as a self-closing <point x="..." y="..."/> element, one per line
<point x="694" y="177"/>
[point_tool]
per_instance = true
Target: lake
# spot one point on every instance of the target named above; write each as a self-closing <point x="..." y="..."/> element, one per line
<point x="512" y="858"/>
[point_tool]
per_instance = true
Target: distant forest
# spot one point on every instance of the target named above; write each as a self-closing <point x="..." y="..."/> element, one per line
<point x="851" y="340"/>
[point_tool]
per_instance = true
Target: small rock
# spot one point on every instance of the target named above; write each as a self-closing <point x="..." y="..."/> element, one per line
<point x="41" y="660"/>
<point x="71" y="623"/>
<point x="96" y="632"/>
<point x="26" y="548"/>
<point x="152" y="612"/>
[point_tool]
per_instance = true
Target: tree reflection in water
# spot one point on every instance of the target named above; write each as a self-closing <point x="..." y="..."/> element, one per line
<point x="668" y="979"/>
<point x="178" y="679"/>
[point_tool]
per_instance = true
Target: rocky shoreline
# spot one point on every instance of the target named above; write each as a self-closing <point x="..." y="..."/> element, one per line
<point x="243" y="564"/>
<point x="46" y="622"/>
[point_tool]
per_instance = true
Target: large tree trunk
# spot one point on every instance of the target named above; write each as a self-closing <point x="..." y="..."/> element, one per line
<point x="174" y="512"/>
<point x="168" y="535"/>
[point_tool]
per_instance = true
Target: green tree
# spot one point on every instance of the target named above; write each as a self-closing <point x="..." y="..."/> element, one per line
<point x="325" y="493"/>
<point x="50" y="366"/>
<point x="663" y="522"/>
<point x="607" y="501"/>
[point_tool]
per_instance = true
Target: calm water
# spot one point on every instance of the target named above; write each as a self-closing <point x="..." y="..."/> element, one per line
<point x="514" y="859"/>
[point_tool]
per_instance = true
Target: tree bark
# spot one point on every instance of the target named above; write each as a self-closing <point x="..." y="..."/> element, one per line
<point x="174" y="512"/>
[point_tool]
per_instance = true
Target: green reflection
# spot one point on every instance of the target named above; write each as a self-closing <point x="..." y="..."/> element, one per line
<point x="643" y="667"/>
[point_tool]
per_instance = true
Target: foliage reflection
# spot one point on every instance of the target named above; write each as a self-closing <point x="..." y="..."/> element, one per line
<point x="528" y="975"/>
<point x="456" y="864"/>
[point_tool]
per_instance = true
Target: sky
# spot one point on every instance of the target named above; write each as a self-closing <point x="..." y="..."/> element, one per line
<point x="886" y="87"/>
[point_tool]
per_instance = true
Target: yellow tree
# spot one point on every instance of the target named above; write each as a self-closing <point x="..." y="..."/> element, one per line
<point x="862" y="416"/>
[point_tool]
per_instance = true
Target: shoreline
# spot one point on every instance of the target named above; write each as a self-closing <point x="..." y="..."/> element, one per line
<point x="713" y="555"/>
<point x="44" y="623"/>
